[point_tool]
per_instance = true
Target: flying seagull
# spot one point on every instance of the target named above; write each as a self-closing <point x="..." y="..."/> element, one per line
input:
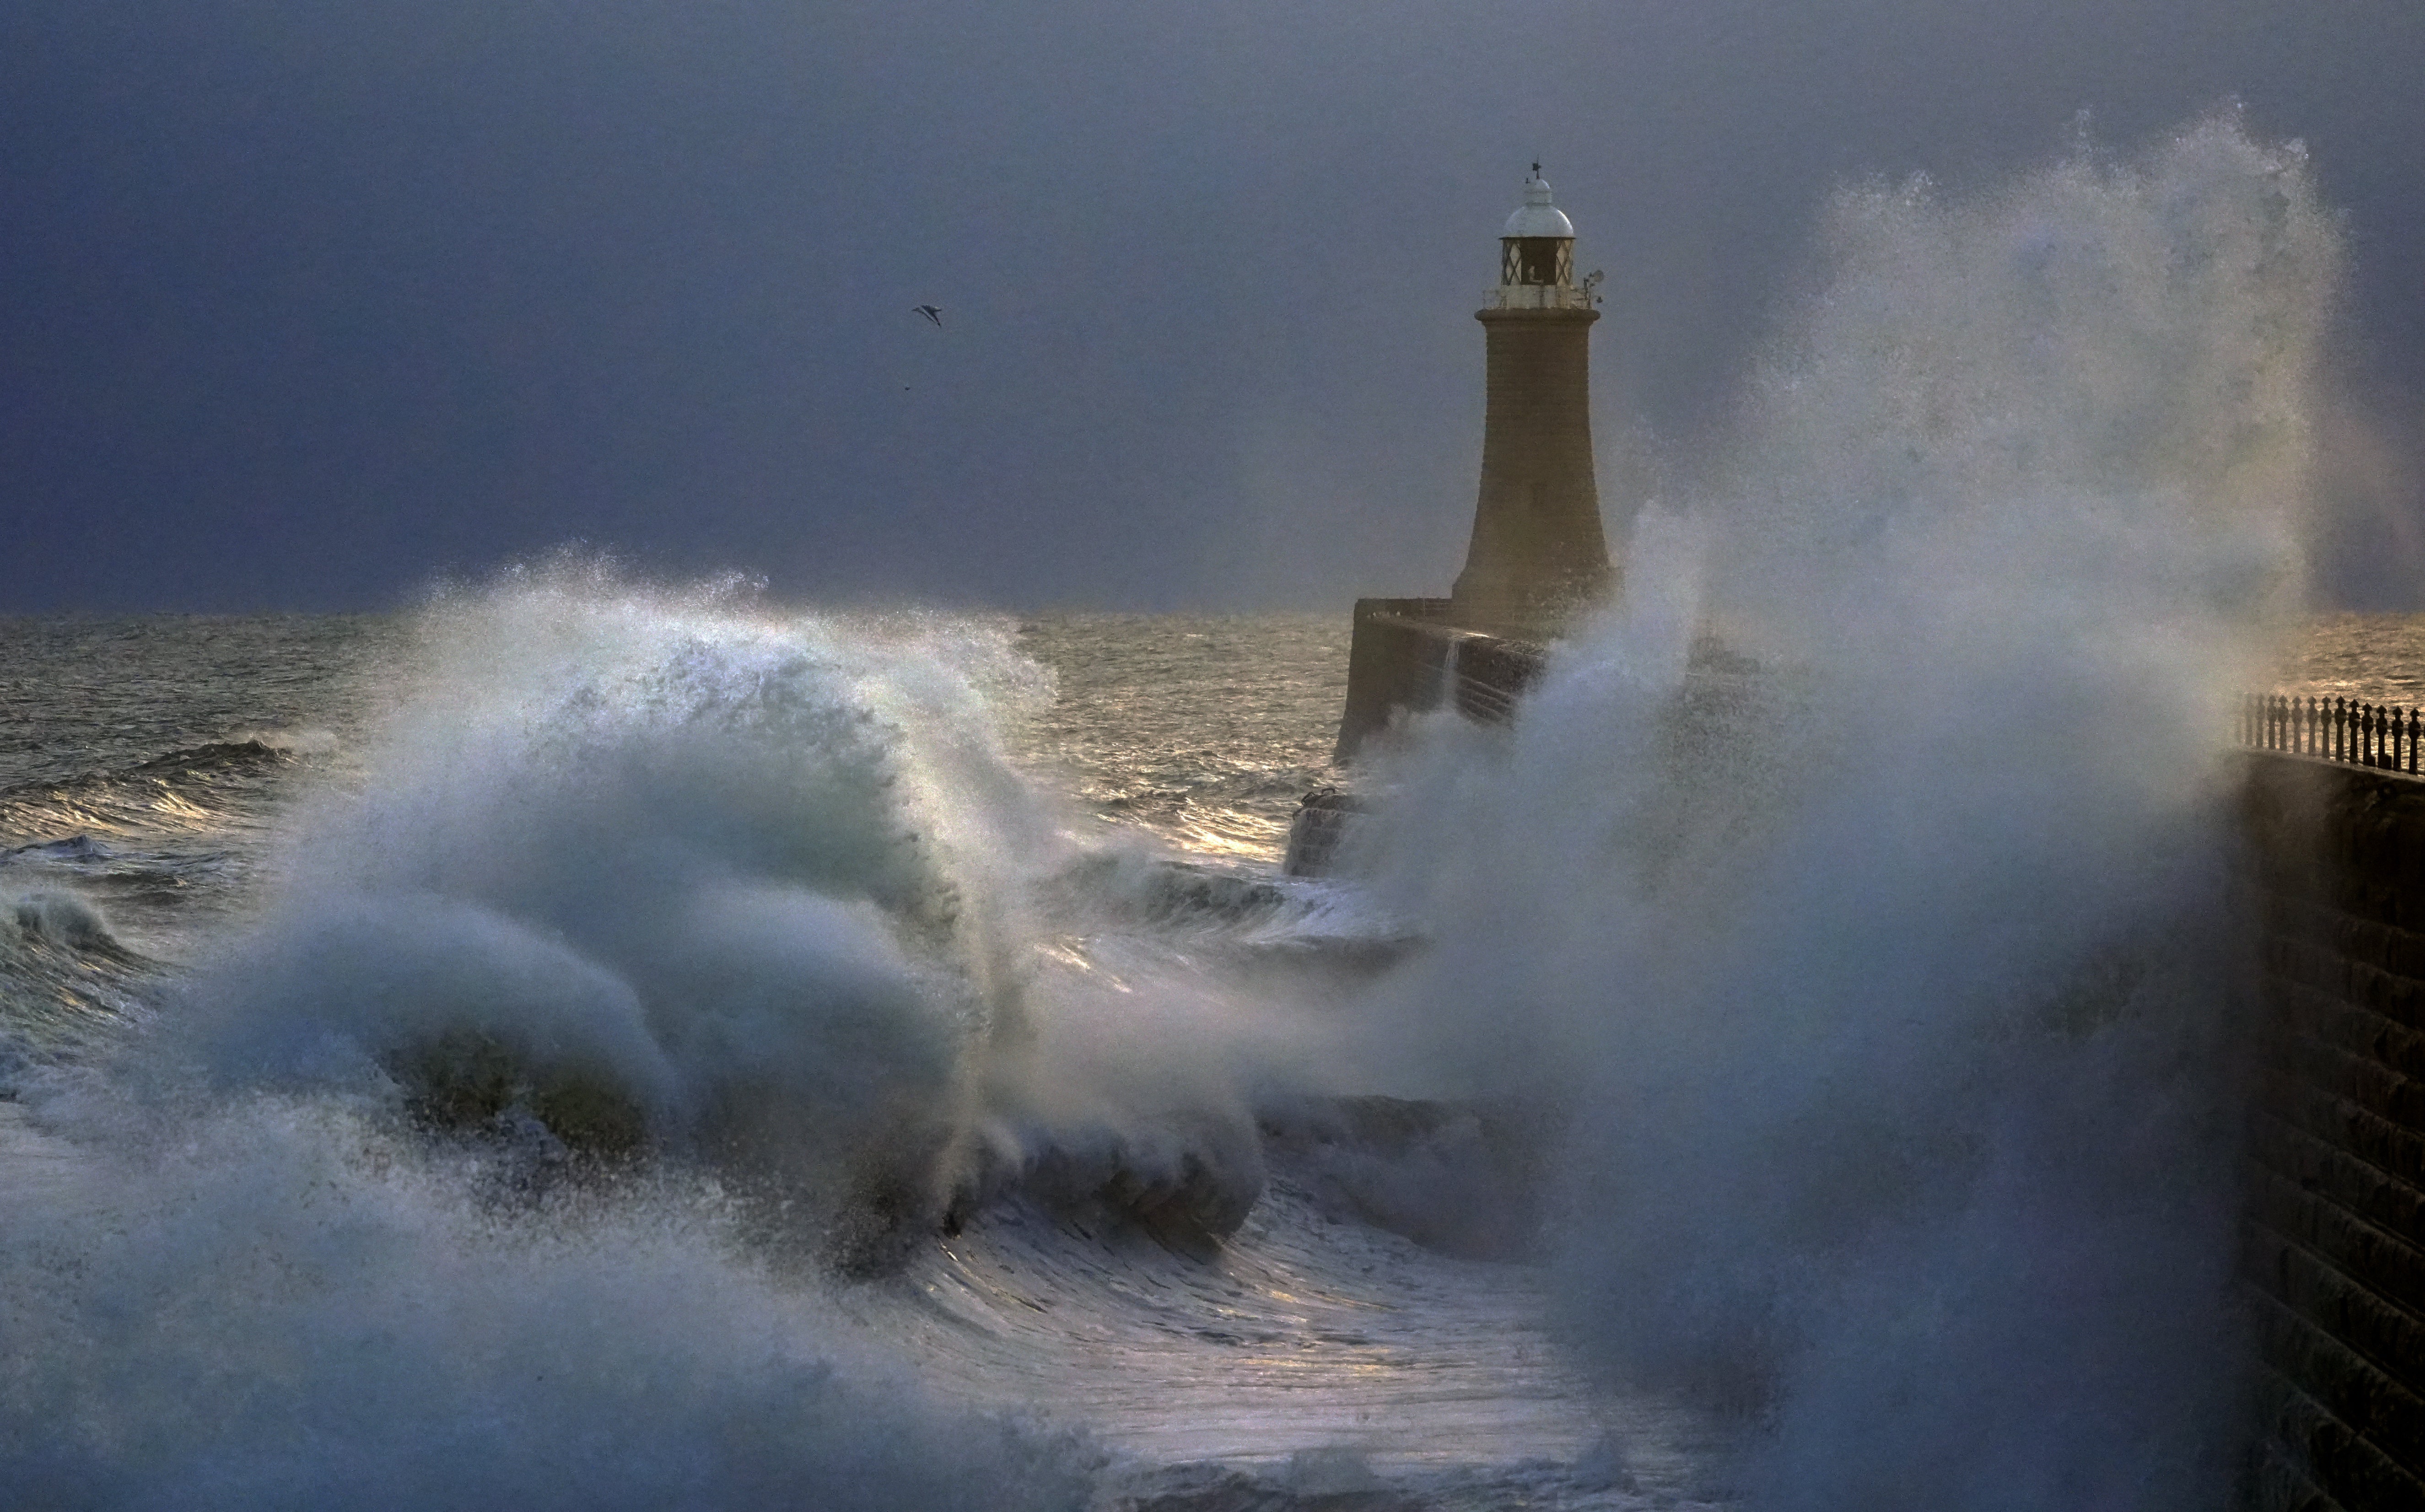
<point x="929" y="311"/>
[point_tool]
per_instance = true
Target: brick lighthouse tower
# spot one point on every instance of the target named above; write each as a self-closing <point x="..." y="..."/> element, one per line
<point x="1538" y="550"/>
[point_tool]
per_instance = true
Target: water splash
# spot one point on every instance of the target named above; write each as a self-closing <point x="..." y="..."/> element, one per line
<point x="661" y="951"/>
<point x="672" y="868"/>
<point x="283" y="1305"/>
<point x="1886" y="989"/>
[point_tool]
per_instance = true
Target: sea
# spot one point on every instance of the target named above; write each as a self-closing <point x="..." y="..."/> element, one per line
<point x="166" y="786"/>
<point x="163" y="782"/>
<point x="591" y="1043"/>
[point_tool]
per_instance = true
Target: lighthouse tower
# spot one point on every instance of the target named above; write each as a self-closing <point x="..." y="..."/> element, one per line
<point x="1538" y="550"/>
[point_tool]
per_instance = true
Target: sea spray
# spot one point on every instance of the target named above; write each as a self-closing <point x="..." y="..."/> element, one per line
<point x="284" y="1304"/>
<point x="1888" y="988"/>
<point x="672" y="876"/>
<point x="722" y="885"/>
<point x="657" y="960"/>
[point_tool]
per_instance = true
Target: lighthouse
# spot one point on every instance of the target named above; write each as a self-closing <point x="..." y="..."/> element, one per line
<point x="1538" y="555"/>
<point x="1538" y="552"/>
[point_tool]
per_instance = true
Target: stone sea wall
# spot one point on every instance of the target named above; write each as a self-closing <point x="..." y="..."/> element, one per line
<point x="2334" y="1233"/>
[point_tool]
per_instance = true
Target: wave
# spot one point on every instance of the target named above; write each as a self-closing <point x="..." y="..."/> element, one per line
<point x="688" y="1008"/>
<point x="194" y="788"/>
<point x="669" y="960"/>
<point x="654" y="877"/>
<point x="198" y="764"/>
<point x="69" y="987"/>
<point x="1214" y="906"/>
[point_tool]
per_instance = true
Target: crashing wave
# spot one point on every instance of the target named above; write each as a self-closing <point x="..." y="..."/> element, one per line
<point x="654" y="877"/>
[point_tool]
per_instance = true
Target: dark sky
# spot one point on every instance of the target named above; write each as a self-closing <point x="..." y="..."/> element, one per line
<point x="302" y="303"/>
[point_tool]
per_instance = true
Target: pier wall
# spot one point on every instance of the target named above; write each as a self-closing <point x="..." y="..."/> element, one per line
<point x="1407" y="657"/>
<point x="2334" y="1239"/>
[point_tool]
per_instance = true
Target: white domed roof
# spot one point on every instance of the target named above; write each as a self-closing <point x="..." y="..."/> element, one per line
<point x="1536" y="215"/>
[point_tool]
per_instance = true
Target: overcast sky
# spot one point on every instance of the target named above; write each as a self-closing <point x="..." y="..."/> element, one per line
<point x="302" y="303"/>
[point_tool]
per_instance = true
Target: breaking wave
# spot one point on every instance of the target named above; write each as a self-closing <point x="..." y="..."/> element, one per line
<point x="668" y="957"/>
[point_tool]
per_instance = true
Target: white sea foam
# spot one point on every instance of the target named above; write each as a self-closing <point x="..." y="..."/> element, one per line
<point x="282" y="1306"/>
<point x="1888" y="987"/>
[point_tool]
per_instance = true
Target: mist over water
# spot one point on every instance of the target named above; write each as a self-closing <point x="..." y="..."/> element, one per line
<point x="1889" y="984"/>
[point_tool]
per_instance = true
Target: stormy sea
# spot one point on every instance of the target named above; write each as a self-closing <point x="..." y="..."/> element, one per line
<point x="589" y="1043"/>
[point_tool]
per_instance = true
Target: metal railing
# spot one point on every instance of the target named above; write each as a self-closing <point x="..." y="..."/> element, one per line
<point x="2333" y="730"/>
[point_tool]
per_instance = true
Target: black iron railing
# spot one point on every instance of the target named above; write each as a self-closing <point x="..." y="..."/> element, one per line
<point x="2333" y="730"/>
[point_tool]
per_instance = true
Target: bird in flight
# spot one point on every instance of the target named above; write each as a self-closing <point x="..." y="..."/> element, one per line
<point x="929" y="311"/>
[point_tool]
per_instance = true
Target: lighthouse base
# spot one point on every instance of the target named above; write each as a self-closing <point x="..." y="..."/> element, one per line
<point x="1408" y="657"/>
